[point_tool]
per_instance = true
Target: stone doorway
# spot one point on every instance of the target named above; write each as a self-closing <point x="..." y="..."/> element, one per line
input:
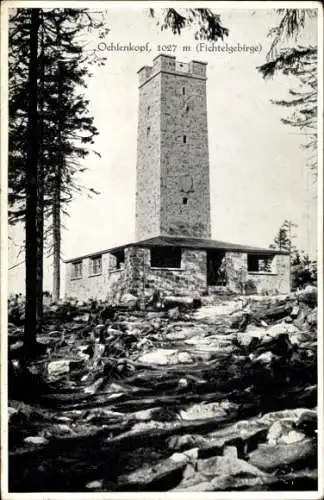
<point x="216" y="268"/>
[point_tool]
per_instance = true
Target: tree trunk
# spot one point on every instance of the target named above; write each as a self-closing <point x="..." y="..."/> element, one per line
<point x="57" y="196"/>
<point x="40" y="207"/>
<point x="57" y="235"/>
<point x="31" y="238"/>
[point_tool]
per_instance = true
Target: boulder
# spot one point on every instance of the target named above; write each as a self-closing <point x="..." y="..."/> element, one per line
<point x="279" y="328"/>
<point x="185" y="441"/>
<point x="307" y="295"/>
<point x="184" y="357"/>
<point x="174" y="313"/>
<point x="203" y="411"/>
<point x="270" y="457"/>
<point x="159" y="477"/>
<point x="58" y="368"/>
<point x="278" y="429"/>
<point x="128" y="300"/>
<point x="94" y="485"/>
<point x="226" y="466"/>
<point x="11" y="413"/>
<point x="146" y="415"/>
<point x="37" y="440"/>
<point x="295" y="311"/>
<point x="265" y="357"/>
<point x="239" y="320"/>
<point x="307" y="422"/>
<point x="248" y="339"/>
<point x="189" y="302"/>
<point x="159" y="357"/>
<point x="312" y="318"/>
<point x="292" y="437"/>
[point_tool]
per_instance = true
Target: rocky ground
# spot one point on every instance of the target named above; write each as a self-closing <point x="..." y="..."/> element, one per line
<point x="221" y="397"/>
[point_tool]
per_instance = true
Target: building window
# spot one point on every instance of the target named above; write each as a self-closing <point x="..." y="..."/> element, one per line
<point x="148" y="109"/>
<point x="148" y="130"/>
<point x="187" y="108"/>
<point x="260" y="263"/>
<point x="184" y="139"/>
<point x="167" y="257"/>
<point x="76" y="269"/>
<point x="95" y="265"/>
<point x="184" y="201"/>
<point x="120" y="258"/>
<point x="183" y="91"/>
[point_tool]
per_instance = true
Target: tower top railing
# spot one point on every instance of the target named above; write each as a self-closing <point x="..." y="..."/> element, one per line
<point x="169" y="64"/>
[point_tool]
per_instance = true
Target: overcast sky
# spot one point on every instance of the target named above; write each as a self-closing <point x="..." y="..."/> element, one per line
<point x="258" y="174"/>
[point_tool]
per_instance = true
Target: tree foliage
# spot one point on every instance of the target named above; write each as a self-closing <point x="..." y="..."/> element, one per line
<point x="62" y="52"/>
<point x="284" y="237"/>
<point x="300" y="62"/>
<point x="205" y="23"/>
<point x="303" y="269"/>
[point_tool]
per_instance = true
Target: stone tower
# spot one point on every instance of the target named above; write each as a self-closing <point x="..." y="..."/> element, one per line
<point x="172" y="184"/>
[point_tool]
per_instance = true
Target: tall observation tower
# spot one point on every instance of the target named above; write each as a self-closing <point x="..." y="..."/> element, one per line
<point x="172" y="188"/>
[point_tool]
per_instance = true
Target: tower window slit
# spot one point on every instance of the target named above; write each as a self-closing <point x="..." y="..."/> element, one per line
<point x="184" y="139"/>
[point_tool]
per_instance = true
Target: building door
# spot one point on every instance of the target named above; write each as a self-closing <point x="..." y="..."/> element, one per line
<point x="216" y="270"/>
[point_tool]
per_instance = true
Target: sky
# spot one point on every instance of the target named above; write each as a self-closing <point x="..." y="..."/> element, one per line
<point x="258" y="173"/>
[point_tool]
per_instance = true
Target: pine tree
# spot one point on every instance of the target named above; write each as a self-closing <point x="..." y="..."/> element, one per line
<point x="45" y="147"/>
<point x="32" y="240"/>
<point x="301" y="62"/>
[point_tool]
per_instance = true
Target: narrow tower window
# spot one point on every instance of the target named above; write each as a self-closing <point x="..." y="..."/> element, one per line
<point x="187" y="108"/>
<point x="148" y="130"/>
<point x="183" y="91"/>
<point x="184" y="139"/>
<point x="148" y="109"/>
<point x="184" y="201"/>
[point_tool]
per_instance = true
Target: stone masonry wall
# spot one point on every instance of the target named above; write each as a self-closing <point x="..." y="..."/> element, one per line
<point x="190" y="278"/>
<point x="236" y="270"/>
<point x="137" y="276"/>
<point x="109" y="285"/>
<point x="276" y="282"/>
<point x="147" y="218"/>
<point x="88" y="286"/>
<point x="185" y="194"/>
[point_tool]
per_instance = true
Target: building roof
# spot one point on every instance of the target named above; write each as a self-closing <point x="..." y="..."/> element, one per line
<point x="186" y="242"/>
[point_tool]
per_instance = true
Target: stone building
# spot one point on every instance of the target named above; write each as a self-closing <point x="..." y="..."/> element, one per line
<point x="173" y="251"/>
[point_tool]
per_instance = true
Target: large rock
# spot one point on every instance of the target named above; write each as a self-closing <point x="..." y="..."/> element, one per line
<point x="128" y="300"/>
<point x="312" y="318"/>
<point x="308" y="295"/>
<point x="36" y="440"/>
<point x="217" y="470"/>
<point x="240" y="320"/>
<point x="159" y="357"/>
<point x="159" y="477"/>
<point x="184" y="357"/>
<point x="174" y="313"/>
<point x="279" y="328"/>
<point x="250" y="339"/>
<point x="179" y="443"/>
<point x="264" y="358"/>
<point x="203" y="411"/>
<point x="270" y="457"/>
<point x="282" y="431"/>
<point x="58" y="368"/>
<point x="307" y="423"/>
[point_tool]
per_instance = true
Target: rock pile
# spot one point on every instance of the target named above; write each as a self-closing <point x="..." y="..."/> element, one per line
<point x="217" y="398"/>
